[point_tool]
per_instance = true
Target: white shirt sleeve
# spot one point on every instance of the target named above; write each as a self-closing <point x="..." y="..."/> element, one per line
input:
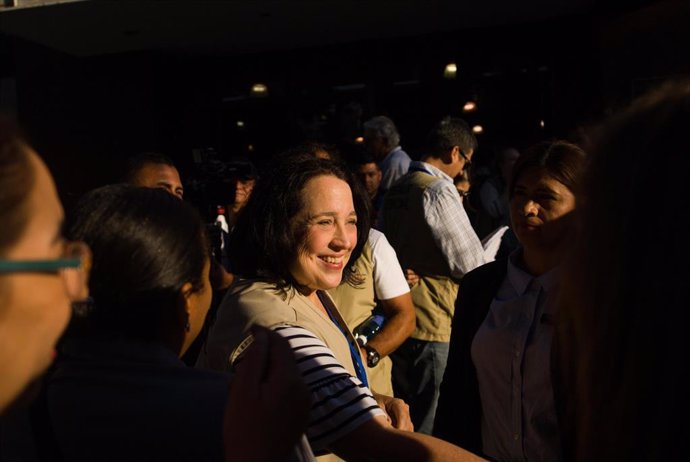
<point x="389" y="278"/>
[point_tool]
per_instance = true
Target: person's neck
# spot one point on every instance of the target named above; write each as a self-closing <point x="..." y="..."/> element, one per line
<point x="539" y="262"/>
<point x="233" y="212"/>
<point x="438" y="163"/>
<point x="313" y="297"/>
<point x="236" y="207"/>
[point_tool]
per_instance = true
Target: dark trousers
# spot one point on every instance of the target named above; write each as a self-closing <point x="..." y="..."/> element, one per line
<point x="418" y="368"/>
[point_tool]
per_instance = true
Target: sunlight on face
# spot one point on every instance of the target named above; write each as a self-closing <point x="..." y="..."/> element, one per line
<point x="160" y="176"/>
<point x="370" y="175"/>
<point x="36" y="306"/>
<point x="541" y="209"/>
<point x="330" y="233"/>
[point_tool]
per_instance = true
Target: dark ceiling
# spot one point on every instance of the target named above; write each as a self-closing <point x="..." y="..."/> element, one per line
<point x="95" y="80"/>
<point x="93" y="27"/>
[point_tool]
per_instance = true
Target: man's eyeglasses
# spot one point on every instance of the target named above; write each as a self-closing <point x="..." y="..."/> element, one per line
<point x="468" y="162"/>
<point x="73" y="266"/>
<point x="463" y="194"/>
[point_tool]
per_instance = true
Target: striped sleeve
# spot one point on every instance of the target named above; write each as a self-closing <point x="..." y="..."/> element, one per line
<point x="340" y="402"/>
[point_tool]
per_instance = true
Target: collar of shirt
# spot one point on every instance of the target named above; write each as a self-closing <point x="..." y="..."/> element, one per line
<point x="420" y="166"/>
<point x="392" y="151"/>
<point x="521" y="280"/>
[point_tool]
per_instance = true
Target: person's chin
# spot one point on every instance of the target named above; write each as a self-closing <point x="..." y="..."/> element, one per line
<point x="328" y="283"/>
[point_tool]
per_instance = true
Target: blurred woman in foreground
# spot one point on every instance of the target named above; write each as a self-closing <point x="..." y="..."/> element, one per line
<point x="624" y="311"/>
<point x="40" y="272"/>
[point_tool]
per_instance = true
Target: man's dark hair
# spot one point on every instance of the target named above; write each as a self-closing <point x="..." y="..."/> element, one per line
<point x="146" y="245"/>
<point x="137" y="162"/>
<point x="265" y="242"/>
<point x="449" y="132"/>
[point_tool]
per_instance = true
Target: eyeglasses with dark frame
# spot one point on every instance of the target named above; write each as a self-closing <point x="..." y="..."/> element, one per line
<point x="468" y="162"/>
<point x="74" y="266"/>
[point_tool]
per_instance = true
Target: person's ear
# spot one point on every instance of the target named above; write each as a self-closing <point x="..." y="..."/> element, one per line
<point x="452" y="156"/>
<point x="188" y="307"/>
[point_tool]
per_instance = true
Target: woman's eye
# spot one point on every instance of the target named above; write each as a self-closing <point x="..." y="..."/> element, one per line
<point x="324" y="222"/>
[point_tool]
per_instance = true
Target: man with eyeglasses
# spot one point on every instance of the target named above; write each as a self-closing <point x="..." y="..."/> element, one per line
<point x="426" y="224"/>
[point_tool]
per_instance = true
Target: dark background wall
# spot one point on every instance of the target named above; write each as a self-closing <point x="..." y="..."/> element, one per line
<point x="85" y="115"/>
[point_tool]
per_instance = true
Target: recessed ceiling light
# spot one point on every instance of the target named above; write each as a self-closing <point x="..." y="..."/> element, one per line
<point x="469" y="106"/>
<point x="259" y="89"/>
<point x="451" y="71"/>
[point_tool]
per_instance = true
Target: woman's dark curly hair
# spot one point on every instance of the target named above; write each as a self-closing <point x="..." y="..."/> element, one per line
<point x="265" y="242"/>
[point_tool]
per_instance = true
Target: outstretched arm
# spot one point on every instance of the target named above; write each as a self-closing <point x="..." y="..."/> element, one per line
<point x="375" y="440"/>
<point x="268" y="401"/>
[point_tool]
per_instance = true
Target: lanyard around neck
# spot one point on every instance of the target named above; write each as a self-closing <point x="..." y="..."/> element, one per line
<point x="354" y="350"/>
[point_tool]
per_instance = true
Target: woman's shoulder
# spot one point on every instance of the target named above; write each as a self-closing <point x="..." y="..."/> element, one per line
<point x="262" y="302"/>
<point x="484" y="279"/>
<point x="492" y="270"/>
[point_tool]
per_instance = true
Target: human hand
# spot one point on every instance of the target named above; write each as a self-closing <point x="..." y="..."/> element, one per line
<point x="411" y="277"/>
<point x="267" y="401"/>
<point x="397" y="412"/>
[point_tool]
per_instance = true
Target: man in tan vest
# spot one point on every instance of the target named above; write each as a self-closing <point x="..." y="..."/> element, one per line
<point x="377" y="280"/>
<point x="428" y="227"/>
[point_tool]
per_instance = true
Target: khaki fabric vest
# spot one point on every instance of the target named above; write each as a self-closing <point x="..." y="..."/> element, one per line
<point x="254" y="302"/>
<point x="410" y="235"/>
<point x="356" y="303"/>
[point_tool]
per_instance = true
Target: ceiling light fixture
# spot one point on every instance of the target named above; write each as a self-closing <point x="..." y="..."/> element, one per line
<point x="469" y="106"/>
<point x="259" y="89"/>
<point x="451" y="71"/>
<point x="477" y="129"/>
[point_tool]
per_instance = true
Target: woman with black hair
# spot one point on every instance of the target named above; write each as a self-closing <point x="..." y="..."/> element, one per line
<point x="119" y="390"/>
<point x="305" y="222"/>
<point x="497" y="396"/>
